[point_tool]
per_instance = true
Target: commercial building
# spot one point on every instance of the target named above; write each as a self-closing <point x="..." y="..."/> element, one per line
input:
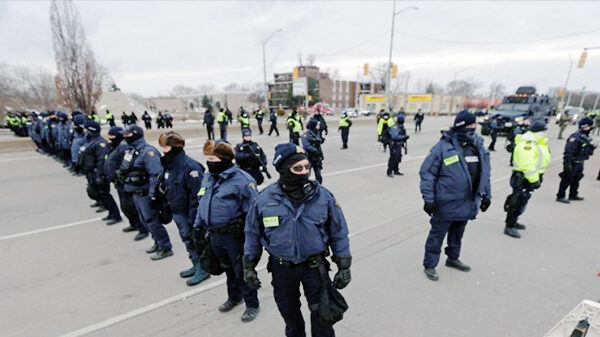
<point x="428" y="103"/>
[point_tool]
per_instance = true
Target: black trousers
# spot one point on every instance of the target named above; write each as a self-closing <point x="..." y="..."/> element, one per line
<point x="223" y="130"/>
<point x="260" y="128"/>
<point x="395" y="157"/>
<point x="286" y="290"/>
<point x="570" y="179"/>
<point x="494" y="135"/>
<point x="210" y="132"/>
<point x="418" y="126"/>
<point x="273" y="128"/>
<point x="345" y="132"/>
<point x="517" y="201"/>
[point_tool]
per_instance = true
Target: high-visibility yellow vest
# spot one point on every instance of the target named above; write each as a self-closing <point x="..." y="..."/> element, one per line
<point x="343" y="123"/>
<point x="109" y="115"/>
<point x="297" y="126"/>
<point x="245" y="121"/>
<point x="221" y="117"/>
<point x="382" y="122"/>
<point x="531" y="155"/>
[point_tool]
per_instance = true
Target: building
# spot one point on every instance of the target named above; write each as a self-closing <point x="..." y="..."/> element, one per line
<point x="428" y="103"/>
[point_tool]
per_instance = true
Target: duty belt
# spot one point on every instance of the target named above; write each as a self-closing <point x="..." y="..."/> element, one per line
<point x="312" y="261"/>
<point x="236" y="227"/>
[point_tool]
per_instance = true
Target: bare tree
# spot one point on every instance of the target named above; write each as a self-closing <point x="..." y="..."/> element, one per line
<point x="79" y="78"/>
<point x="27" y="88"/>
<point x="497" y="89"/>
<point x="311" y="59"/>
<point x="378" y="73"/>
<point x="180" y="90"/>
<point x="466" y="87"/>
<point x="205" y="89"/>
<point x="257" y="93"/>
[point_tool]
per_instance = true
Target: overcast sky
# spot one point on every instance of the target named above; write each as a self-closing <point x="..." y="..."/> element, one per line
<point x="148" y="47"/>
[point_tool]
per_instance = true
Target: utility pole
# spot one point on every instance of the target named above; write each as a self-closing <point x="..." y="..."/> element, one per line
<point x="562" y="98"/>
<point x="389" y="66"/>
<point x="265" y="69"/>
<point x="596" y="102"/>
<point x="451" y="110"/>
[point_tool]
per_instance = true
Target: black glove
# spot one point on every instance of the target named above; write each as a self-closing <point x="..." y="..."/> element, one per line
<point x="199" y="238"/>
<point x="342" y="277"/>
<point x="326" y="132"/>
<point x="485" y="204"/>
<point x="429" y="208"/>
<point x="250" y="275"/>
<point x="536" y="185"/>
<point x="155" y="203"/>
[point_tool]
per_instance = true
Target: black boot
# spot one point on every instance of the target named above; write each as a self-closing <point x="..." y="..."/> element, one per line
<point x="576" y="198"/>
<point x="140" y="236"/>
<point x="152" y="249"/>
<point x="111" y="222"/>
<point x="431" y="274"/>
<point x="512" y="232"/>
<point x="250" y="314"/>
<point x="161" y="254"/>
<point x="398" y="173"/>
<point x="457" y="264"/>
<point x="129" y="228"/>
<point x="563" y="200"/>
<point x="199" y="276"/>
<point x="390" y="174"/>
<point x="228" y="305"/>
<point x="188" y="272"/>
<point x="520" y="226"/>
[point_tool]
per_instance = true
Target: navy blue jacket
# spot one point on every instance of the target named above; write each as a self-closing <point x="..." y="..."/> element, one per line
<point x="113" y="160"/>
<point x="183" y="177"/>
<point x="78" y="141"/>
<point x="65" y="135"/>
<point x="396" y="133"/>
<point x="445" y="179"/>
<point x="579" y="147"/>
<point x="93" y="155"/>
<point x="225" y="198"/>
<point x="148" y="160"/>
<point x="295" y="233"/>
<point x="311" y="142"/>
<point x="209" y="119"/>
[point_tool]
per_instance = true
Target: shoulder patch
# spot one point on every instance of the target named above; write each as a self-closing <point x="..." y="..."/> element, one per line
<point x="194" y="173"/>
<point x="252" y="185"/>
<point x="102" y="144"/>
<point x="151" y="153"/>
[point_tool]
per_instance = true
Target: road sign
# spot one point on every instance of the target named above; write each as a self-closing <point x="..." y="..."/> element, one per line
<point x="299" y="87"/>
<point x="366" y="69"/>
<point x="374" y="98"/>
<point x="295" y="74"/>
<point x="419" y="98"/>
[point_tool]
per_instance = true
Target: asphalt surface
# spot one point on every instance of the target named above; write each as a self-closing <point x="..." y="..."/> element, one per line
<point x="64" y="272"/>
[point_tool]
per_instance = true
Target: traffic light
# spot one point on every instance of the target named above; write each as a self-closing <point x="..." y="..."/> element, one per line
<point x="394" y="71"/>
<point x="295" y="73"/>
<point x="366" y="69"/>
<point x="269" y="95"/>
<point x="582" y="59"/>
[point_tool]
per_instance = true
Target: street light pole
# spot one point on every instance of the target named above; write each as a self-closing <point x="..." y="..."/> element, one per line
<point x="265" y="69"/>
<point x="452" y="94"/>
<point x="389" y="67"/>
<point x="562" y="98"/>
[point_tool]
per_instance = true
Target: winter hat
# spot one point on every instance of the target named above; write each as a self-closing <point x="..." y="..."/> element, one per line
<point x="220" y="148"/>
<point x="463" y="119"/>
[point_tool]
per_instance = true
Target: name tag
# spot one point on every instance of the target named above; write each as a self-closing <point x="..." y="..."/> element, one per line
<point x="127" y="157"/>
<point x="451" y="160"/>
<point x="271" y="221"/>
<point x="202" y="191"/>
<point x="472" y="159"/>
<point x="166" y="175"/>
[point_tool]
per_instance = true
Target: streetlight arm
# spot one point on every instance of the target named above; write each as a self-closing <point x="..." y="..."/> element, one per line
<point x="404" y="9"/>
<point x="271" y="36"/>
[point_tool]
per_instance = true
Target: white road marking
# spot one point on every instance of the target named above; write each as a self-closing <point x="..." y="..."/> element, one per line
<point x="37" y="231"/>
<point x="22" y="158"/>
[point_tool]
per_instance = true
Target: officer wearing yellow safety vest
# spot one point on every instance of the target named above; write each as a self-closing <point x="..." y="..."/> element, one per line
<point x="344" y="127"/>
<point x="244" y="120"/>
<point x="110" y="118"/>
<point x="295" y="127"/>
<point x="531" y="157"/>
<point x="222" y="119"/>
<point x="383" y="124"/>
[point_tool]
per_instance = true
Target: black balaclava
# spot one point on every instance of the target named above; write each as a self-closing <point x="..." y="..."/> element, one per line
<point x="216" y="167"/>
<point x="133" y="138"/>
<point x="295" y="186"/>
<point x="173" y="152"/>
<point x="114" y="142"/>
<point x="465" y="135"/>
<point x="91" y="135"/>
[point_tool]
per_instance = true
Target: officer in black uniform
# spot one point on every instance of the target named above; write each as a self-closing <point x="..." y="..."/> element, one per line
<point x="209" y="121"/>
<point x="318" y="117"/>
<point x="273" y="121"/>
<point x="259" y="114"/>
<point x="298" y="222"/>
<point x="397" y="137"/>
<point x="578" y="149"/>
<point x="93" y="166"/>
<point x="311" y="142"/>
<point x="494" y="132"/>
<point x="147" y="120"/>
<point x="419" y="117"/>
<point x="251" y="158"/>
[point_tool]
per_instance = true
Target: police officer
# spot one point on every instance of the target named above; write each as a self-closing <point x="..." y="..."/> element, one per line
<point x="94" y="156"/>
<point x="563" y="122"/>
<point x="251" y="158"/>
<point x="133" y="118"/>
<point x="322" y="124"/>
<point x="147" y="120"/>
<point x="311" y="142"/>
<point x="530" y="160"/>
<point x="110" y="118"/>
<point x="64" y="138"/>
<point x="297" y="221"/>
<point x="385" y="122"/>
<point x="222" y="120"/>
<point x="455" y="182"/>
<point x="273" y="121"/>
<point x="183" y="177"/>
<point x="295" y="127"/>
<point x="142" y="169"/>
<point x="244" y="120"/>
<point x="344" y="127"/>
<point x="160" y="121"/>
<point x="124" y="119"/>
<point x="77" y="142"/>
<point x="512" y="134"/>
<point x="226" y="195"/>
<point x="209" y="121"/>
<point x="168" y="120"/>
<point x="419" y="117"/>
<point x="112" y="164"/>
<point x="493" y="132"/>
<point x="578" y="149"/>
<point x="259" y="114"/>
<point x="55" y="128"/>
<point x="396" y="136"/>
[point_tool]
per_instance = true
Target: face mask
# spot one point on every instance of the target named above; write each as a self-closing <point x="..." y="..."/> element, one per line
<point x="465" y="135"/>
<point x="587" y="132"/>
<point x="79" y="129"/>
<point x="216" y="167"/>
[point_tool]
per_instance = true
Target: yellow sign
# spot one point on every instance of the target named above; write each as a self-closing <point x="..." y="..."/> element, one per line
<point x="394" y="71"/>
<point x="374" y="98"/>
<point x="366" y="69"/>
<point x="582" y="59"/>
<point x="295" y="74"/>
<point x="419" y="98"/>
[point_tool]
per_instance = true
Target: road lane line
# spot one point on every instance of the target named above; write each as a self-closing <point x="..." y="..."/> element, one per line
<point x="37" y="231"/>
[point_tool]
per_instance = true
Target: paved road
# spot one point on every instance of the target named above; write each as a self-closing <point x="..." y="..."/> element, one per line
<point x="63" y="272"/>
